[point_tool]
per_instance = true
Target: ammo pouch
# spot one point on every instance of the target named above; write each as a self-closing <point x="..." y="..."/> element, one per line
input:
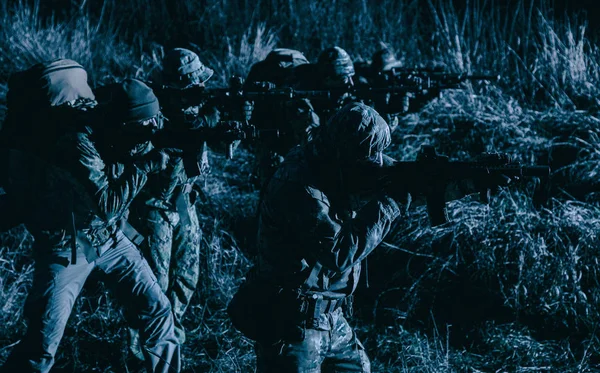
<point x="267" y="313"/>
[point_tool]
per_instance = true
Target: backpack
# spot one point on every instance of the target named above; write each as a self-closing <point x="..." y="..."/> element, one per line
<point x="30" y="127"/>
<point x="56" y="83"/>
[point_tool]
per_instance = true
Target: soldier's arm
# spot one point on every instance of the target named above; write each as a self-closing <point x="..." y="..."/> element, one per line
<point x="111" y="196"/>
<point x="338" y="245"/>
<point x="169" y="178"/>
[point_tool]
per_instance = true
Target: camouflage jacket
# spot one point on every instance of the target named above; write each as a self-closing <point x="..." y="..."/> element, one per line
<point x="300" y="224"/>
<point x="295" y="119"/>
<point x="163" y="188"/>
<point x="77" y="190"/>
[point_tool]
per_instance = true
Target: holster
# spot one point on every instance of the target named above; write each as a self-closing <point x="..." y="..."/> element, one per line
<point x="317" y="306"/>
<point x="268" y="314"/>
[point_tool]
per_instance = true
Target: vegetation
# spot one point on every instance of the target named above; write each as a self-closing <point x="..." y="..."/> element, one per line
<point x="508" y="286"/>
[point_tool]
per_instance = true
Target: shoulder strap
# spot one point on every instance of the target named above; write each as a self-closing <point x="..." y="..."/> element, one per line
<point x="313" y="277"/>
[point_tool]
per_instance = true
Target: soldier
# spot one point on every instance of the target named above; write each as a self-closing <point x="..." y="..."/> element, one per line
<point x="383" y="60"/>
<point x="294" y="119"/>
<point x="371" y="75"/>
<point x="333" y="71"/>
<point x="315" y="228"/>
<point x="74" y="199"/>
<point x="391" y="107"/>
<point x="165" y="211"/>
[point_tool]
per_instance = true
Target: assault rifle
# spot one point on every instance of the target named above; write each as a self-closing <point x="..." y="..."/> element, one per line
<point x="422" y="79"/>
<point x="236" y="91"/>
<point x="431" y="175"/>
<point x="190" y="142"/>
<point x="397" y="81"/>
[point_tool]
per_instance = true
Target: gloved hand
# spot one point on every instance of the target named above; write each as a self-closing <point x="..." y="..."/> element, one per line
<point x="204" y="164"/>
<point x="229" y="131"/>
<point x="247" y="109"/>
<point x="263" y="86"/>
<point x="398" y="191"/>
<point x="413" y="80"/>
<point x="152" y="162"/>
<point x="210" y="114"/>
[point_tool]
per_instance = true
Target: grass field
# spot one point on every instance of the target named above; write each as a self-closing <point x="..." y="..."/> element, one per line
<point x="511" y="286"/>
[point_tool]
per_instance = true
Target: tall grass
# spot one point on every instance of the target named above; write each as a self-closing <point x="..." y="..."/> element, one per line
<point x="508" y="286"/>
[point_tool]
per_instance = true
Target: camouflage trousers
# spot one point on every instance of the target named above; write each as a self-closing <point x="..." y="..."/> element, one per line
<point x="334" y="350"/>
<point x="57" y="283"/>
<point x="172" y="248"/>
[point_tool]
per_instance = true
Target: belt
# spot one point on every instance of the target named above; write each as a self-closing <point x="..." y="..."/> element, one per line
<point x="131" y="233"/>
<point x="317" y="305"/>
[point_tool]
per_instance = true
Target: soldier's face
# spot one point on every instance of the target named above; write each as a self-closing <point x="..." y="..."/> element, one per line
<point x="146" y="126"/>
<point x="342" y="81"/>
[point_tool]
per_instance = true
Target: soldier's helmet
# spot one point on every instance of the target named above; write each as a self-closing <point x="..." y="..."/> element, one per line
<point x="134" y="105"/>
<point x="182" y="69"/>
<point x="383" y="60"/>
<point x="355" y="133"/>
<point x="285" y="58"/>
<point x="336" y="62"/>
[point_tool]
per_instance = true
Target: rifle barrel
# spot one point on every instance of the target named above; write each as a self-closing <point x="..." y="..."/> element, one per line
<point x="492" y="78"/>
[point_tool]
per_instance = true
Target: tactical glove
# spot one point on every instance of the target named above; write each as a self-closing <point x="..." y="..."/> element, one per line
<point x="152" y="162"/>
<point x="210" y="114"/>
<point x="229" y="131"/>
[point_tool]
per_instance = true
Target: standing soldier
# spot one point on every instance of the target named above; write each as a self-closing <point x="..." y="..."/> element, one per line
<point x="315" y="228"/>
<point x="295" y="119"/>
<point x="73" y="199"/>
<point x="165" y="212"/>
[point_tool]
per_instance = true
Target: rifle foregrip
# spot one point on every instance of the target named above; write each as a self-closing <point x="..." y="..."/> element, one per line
<point x="436" y="209"/>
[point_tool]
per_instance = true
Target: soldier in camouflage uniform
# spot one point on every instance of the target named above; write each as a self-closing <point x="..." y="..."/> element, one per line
<point x="165" y="212"/>
<point x="315" y="227"/>
<point x="333" y="71"/>
<point x="392" y="108"/>
<point x="73" y="209"/>
<point x="294" y="119"/>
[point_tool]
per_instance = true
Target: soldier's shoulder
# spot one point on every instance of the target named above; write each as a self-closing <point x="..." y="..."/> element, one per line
<point x="295" y="179"/>
<point x="295" y="168"/>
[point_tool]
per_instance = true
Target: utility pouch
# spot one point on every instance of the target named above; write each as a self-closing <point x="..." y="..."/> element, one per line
<point x="267" y="313"/>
